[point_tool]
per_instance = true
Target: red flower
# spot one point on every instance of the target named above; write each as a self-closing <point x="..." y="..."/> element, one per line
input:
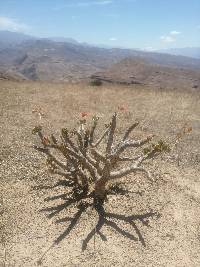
<point x="84" y="114"/>
<point x="45" y="140"/>
<point x="122" y="108"/>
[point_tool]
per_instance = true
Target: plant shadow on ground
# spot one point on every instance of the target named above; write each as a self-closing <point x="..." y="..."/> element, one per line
<point x="82" y="202"/>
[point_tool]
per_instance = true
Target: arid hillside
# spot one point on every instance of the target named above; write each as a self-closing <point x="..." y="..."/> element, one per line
<point x="170" y="237"/>
<point x="68" y="60"/>
<point x="138" y="71"/>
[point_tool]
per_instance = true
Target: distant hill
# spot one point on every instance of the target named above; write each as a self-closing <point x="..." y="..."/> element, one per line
<point x="63" y="40"/>
<point x="137" y="71"/>
<point x="44" y="59"/>
<point x="193" y="52"/>
<point x="9" y="39"/>
<point x="11" y="76"/>
<point x="48" y="60"/>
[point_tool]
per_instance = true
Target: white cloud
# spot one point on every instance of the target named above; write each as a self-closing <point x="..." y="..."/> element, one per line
<point x="170" y="38"/>
<point x="85" y="4"/>
<point x="175" y="33"/>
<point x="113" y="39"/>
<point x="10" y="24"/>
<point x="149" y="48"/>
<point x="167" y="39"/>
<point x="93" y="3"/>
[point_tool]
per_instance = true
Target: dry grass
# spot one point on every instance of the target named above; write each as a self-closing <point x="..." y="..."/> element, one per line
<point x="173" y="239"/>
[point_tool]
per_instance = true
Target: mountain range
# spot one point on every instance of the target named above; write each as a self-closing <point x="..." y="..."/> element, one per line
<point x="65" y="59"/>
<point x="193" y="52"/>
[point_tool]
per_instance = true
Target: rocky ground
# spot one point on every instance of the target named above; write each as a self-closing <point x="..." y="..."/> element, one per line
<point x="171" y="237"/>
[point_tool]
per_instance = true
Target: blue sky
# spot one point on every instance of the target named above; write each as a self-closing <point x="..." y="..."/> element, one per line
<point x="146" y="24"/>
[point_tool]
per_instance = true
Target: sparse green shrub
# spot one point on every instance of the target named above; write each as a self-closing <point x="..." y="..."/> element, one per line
<point x="96" y="82"/>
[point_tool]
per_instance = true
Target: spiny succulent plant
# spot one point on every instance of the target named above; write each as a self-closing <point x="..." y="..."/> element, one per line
<point x="91" y="162"/>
